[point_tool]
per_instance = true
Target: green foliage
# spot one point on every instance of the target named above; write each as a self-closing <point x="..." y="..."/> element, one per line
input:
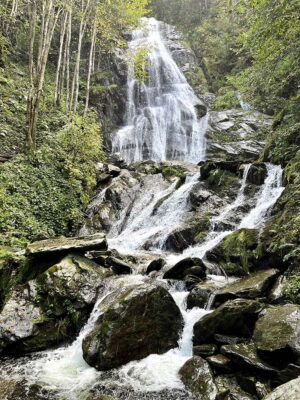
<point x="140" y="64"/>
<point x="292" y="289"/>
<point x="272" y="41"/>
<point x="226" y="99"/>
<point x="45" y="195"/>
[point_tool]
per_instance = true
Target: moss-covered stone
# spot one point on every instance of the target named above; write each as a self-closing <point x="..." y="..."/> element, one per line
<point x="276" y="334"/>
<point x="140" y="321"/>
<point x="238" y="252"/>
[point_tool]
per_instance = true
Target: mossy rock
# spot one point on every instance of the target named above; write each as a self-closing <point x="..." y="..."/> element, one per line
<point x="238" y="253"/>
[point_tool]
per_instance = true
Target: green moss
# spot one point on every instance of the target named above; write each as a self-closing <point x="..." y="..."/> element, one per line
<point x="226" y="99"/>
<point x="292" y="289"/>
<point x="170" y="172"/>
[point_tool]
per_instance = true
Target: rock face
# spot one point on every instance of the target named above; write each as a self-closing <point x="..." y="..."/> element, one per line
<point x="251" y="287"/>
<point x="135" y="323"/>
<point x="197" y="377"/>
<point x="188" y="266"/>
<point x="235" y="317"/>
<point x="276" y="334"/>
<point x="288" y="391"/>
<point x="257" y="173"/>
<point x="51" y="308"/>
<point x="232" y="134"/>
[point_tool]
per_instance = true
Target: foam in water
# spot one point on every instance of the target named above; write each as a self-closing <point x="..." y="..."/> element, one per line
<point x="161" y="116"/>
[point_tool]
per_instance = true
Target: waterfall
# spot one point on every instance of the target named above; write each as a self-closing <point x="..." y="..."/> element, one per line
<point x="161" y="115"/>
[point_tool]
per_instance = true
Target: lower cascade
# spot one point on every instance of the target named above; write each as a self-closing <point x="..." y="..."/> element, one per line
<point x="148" y="211"/>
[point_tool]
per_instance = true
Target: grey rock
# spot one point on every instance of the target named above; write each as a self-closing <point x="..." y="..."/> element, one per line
<point x="184" y="267"/>
<point x="288" y="391"/>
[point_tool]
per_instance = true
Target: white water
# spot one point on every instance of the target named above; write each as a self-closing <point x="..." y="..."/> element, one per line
<point x="266" y="198"/>
<point x="161" y="118"/>
<point x="150" y="221"/>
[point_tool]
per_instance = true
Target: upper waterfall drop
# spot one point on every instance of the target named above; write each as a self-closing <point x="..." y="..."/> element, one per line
<point x="161" y="113"/>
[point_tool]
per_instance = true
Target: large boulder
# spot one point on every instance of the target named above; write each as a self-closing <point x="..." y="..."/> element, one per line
<point x="276" y="334"/>
<point x="187" y="266"/>
<point x="197" y="377"/>
<point x="139" y="321"/>
<point x="235" y="317"/>
<point x="288" y="391"/>
<point x="51" y="308"/>
<point x="251" y="287"/>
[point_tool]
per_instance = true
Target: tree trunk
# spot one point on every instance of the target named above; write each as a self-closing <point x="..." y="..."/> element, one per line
<point x="60" y="58"/>
<point x="91" y="64"/>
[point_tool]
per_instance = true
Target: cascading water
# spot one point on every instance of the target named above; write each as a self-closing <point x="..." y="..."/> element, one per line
<point x="161" y="116"/>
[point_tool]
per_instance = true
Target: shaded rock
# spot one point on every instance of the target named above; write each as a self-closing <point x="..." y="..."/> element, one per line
<point x="251" y="287"/>
<point x="205" y="350"/>
<point x="51" y="308"/>
<point x="139" y="321"/>
<point x="155" y="265"/>
<point x="12" y="390"/>
<point x="246" y="355"/>
<point x="219" y="361"/>
<point x="257" y="173"/>
<point x="235" y="317"/>
<point x="276" y="334"/>
<point x="227" y="339"/>
<point x="292" y="371"/>
<point x="208" y="166"/>
<point x="198" y="196"/>
<point x="288" y="391"/>
<point x="252" y="385"/>
<point x="201" y="109"/>
<point x="184" y="268"/>
<point x="197" y="377"/>
<point x="118" y="266"/>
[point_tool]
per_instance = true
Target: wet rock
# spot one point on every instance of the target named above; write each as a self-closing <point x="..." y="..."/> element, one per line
<point x="253" y="386"/>
<point x="277" y="293"/>
<point x="59" y="247"/>
<point x="13" y="390"/>
<point x="208" y="166"/>
<point x="139" y="321"/>
<point x="205" y="350"/>
<point x="288" y="391"/>
<point x="235" y="317"/>
<point x="245" y="354"/>
<point x="51" y="308"/>
<point x="185" y="267"/>
<point x="220" y="361"/>
<point x="179" y="240"/>
<point x="257" y="173"/>
<point x="200" y="294"/>
<point x="197" y="377"/>
<point x="201" y="109"/>
<point x="237" y="252"/>
<point x="253" y="286"/>
<point x="118" y="266"/>
<point x="155" y="265"/>
<point x="198" y="196"/>
<point x="276" y="334"/>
